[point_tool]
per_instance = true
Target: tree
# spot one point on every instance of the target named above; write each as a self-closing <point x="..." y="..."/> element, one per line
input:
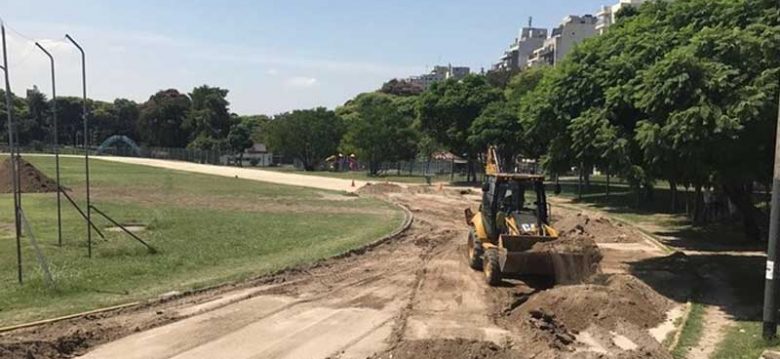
<point x="378" y="130"/>
<point x="686" y="90"/>
<point x="498" y="125"/>
<point x="162" y="118"/>
<point x="447" y="110"/>
<point x="240" y="138"/>
<point x="127" y="113"/>
<point x="523" y="83"/>
<point x="308" y="136"/>
<point x="209" y="119"/>
<point x="401" y="88"/>
<point x="34" y="122"/>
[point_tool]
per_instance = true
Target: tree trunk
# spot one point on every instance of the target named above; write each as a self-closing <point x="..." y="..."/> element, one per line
<point x="697" y="202"/>
<point x="608" y="184"/>
<point x="673" y="190"/>
<point x="579" y="183"/>
<point x="586" y="177"/>
<point x="740" y="195"/>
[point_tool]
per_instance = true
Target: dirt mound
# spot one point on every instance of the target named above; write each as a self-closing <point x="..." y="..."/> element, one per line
<point x="64" y="347"/>
<point x="573" y="260"/>
<point x="31" y="179"/>
<point x="600" y="229"/>
<point x="611" y="300"/>
<point x="380" y="188"/>
<point x="448" y="349"/>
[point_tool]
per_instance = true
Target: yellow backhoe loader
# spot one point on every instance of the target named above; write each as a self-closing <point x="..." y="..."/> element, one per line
<point x="513" y="217"/>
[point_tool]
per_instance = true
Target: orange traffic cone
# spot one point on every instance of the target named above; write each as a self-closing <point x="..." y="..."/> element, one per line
<point x="353" y="182"/>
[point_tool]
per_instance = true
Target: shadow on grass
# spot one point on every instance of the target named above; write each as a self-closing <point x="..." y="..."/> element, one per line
<point x="684" y="278"/>
<point x="726" y="234"/>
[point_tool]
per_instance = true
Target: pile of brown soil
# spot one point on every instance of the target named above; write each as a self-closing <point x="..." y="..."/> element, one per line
<point x="600" y="229"/>
<point x="606" y="303"/>
<point x="380" y="188"/>
<point x="572" y="260"/>
<point x="448" y="349"/>
<point x="31" y="179"/>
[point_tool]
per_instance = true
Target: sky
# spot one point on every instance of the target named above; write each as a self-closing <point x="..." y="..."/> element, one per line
<point x="273" y="56"/>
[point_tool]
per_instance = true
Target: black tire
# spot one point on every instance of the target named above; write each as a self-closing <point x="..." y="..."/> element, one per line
<point x="475" y="252"/>
<point x="491" y="267"/>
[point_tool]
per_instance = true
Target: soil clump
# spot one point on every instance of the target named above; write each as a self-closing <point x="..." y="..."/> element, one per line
<point x="31" y="180"/>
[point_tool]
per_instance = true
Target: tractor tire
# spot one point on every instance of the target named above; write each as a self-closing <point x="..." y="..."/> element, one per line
<point x="491" y="267"/>
<point x="475" y="252"/>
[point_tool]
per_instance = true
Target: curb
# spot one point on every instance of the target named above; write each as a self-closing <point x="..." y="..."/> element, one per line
<point x="402" y="228"/>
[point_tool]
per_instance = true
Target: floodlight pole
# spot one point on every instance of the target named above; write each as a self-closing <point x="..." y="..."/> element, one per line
<point x="56" y="142"/>
<point x="14" y="159"/>
<point x="773" y="247"/>
<point x="86" y="141"/>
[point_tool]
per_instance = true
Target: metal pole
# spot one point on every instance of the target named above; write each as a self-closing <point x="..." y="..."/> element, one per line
<point x="14" y="177"/>
<point x="56" y="142"/>
<point x="86" y="141"/>
<point x="770" y="284"/>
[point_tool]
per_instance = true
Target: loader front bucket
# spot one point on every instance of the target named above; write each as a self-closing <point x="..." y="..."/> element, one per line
<point x="530" y="255"/>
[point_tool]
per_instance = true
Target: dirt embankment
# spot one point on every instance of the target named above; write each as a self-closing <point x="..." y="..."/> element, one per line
<point x="598" y="228"/>
<point x="31" y="180"/>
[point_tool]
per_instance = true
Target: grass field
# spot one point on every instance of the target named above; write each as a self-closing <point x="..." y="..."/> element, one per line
<point x="207" y="229"/>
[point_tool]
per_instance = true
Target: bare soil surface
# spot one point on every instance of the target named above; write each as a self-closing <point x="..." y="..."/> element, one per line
<point x="31" y="180"/>
<point x="413" y="296"/>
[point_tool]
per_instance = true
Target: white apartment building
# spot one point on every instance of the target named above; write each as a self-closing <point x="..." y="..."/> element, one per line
<point x="572" y="31"/>
<point x="516" y="57"/>
<point x="440" y="73"/>
<point x="606" y="16"/>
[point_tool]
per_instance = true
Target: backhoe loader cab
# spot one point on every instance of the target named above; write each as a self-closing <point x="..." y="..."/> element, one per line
<point x="513" y="216"/>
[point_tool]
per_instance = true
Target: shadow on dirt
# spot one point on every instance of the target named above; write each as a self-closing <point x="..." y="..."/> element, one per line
<point x="682" y="278"/>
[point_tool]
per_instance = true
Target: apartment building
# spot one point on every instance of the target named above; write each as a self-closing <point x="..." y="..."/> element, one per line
<point x="439" y="73"/>
<point x="606" y="16"/>
<point x="573" y="30"/>
<point x="517" y="55"/>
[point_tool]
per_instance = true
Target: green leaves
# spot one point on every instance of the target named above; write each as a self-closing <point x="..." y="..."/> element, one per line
<point x="306" y="135"/>
<point x="379" y="128"/>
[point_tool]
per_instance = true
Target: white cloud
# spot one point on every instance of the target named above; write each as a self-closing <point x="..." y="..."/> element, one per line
<point x="301" y="81"/>
<point x="272" y="72"/>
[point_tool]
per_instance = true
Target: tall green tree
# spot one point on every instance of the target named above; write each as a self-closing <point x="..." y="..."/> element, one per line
<point x="379" y="128"/>
<point x="162" y="119"/>
<point x="308" y="136"/>
<point x="447" y="110"/>
<point x="498" y="126"/>
<point x="209" y="119"/>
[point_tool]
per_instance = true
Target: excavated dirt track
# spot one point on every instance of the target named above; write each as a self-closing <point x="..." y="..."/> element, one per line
<point x="410" y="297"/>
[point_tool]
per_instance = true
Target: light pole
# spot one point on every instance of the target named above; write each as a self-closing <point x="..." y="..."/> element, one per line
<point x="14" y="159"/>
<point x="86" y="141"/>
<point x="770" y="277"/>
<point x="56" y="142"/>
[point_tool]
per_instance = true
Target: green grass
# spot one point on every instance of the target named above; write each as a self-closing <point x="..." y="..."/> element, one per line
<point x="207" y="229"/>
<point x="391" y="175"/>
<point x="744" y="341"/>
<point x="691" y="331"/>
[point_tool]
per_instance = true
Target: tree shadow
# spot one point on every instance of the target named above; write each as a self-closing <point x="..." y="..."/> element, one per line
<point x="707" y="279"/>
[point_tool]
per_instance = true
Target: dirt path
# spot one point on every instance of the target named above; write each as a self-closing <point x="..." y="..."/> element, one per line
<point x="326" y="183"/>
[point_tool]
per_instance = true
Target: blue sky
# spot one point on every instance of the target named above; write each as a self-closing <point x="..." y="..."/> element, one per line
<point x="273" y="56"/>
